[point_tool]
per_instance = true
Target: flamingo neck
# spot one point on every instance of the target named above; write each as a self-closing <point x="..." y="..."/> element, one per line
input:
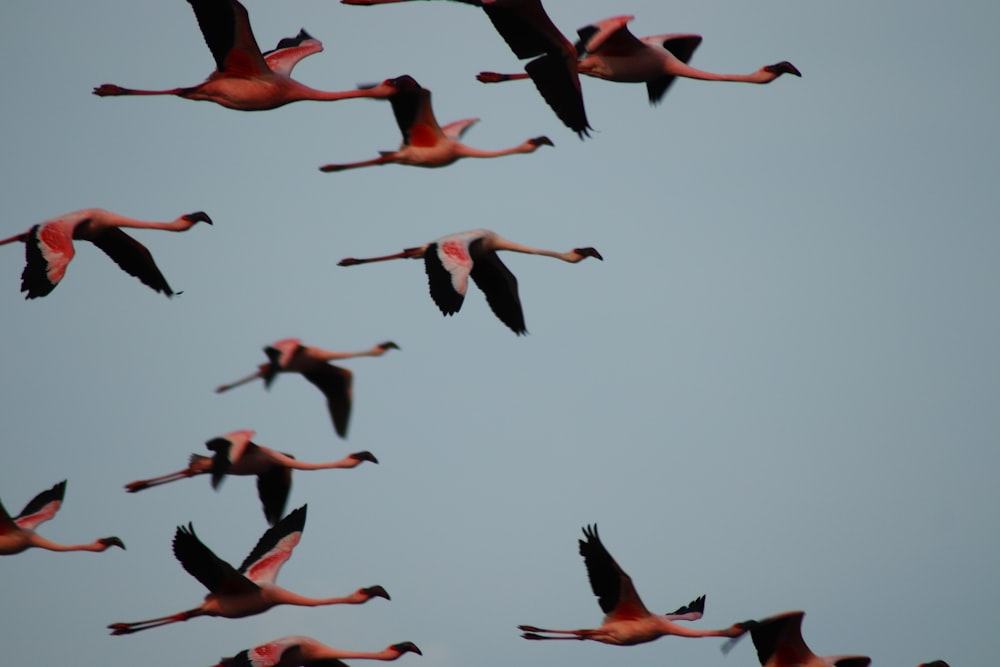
<point x="329" y="653"/>
<point x="467" y="151"/>
<point x="683" y="69"/>
<point x="670" y="628"/>
<point x="41" y="543"/>
<point x="346" y="462"/>
<point x="503" y="244"/>
<point x="287" y="597"/>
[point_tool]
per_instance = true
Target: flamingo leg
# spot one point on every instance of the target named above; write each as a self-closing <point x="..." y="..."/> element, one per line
<point x="142" y="484"/>
<point x="496" y="77"/>
<point x="250" y="378"/>
<point x="409" y="253"/>
<point x="531" y="629"/>
<point x="129" y="628"/>
<point x="384" y="159"/>
<point x="110" y="89"/>
<point x="532" y="635"/>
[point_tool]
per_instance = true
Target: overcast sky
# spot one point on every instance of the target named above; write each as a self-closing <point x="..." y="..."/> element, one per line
<point x="780" y="388"/>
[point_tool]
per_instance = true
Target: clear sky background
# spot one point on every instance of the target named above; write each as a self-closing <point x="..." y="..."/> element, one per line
<point x="779" y="389"/>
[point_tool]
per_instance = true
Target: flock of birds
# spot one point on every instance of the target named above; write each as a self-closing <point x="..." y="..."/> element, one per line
<point x="248" y="79"/>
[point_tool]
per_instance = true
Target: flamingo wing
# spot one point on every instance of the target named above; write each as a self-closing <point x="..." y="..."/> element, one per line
<point x="200" y="562"/>
<point x="273" y="487"/>
<point x="525" y="26"/>
<point x="448" y="265"/>
<point x="280" y="355"/>
<point x="133" y="258"/>
<point x="556" y="78"/>
<point x="680" y="46"/>
<point x="610" y="36"/>
<point x="455" y="130"/>
<point x="41" y="508"/>
<point x="225" y="25"/>
<point x="500" y="287"/>
<point x="48" y="251"/>
<point x="290" y="50"/>
<point x="266" y="655"/>
<point x="780" y="636"/>
<point x="274" y="548"/>
<point x="692" y="611"/>
<point x="7" y="524"/>
<point x="228" y="449"/>
<point x="335" y="383"/>
<point x="610" y="583"/>
<point x="411" y="105"/>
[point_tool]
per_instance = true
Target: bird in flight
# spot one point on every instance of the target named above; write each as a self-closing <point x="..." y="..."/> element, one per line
<point x="49" y="247"/>
<point x="18" y="533"/>
<point x="291" y="356"/>
<point x="246" y="79"/>
<point x="249" y="590"/>
<point x="425" y="143"/>
<point x="307" y="652"/>
<point x="626" y="621"/>
<point x="779" y="643"/>
<point x="236" y="454"/>
<point x="451" y="260"/>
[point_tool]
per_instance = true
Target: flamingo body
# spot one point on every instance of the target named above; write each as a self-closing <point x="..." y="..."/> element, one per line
<point x="291" y="356"/>
<point x="779" y="643"/>
<point x="307" y="652"/>
<point x="49" y="247"/>
<point x="425" y="143"/>
<point x="250" y="589"/>
<point x="18" y="534"/>
<point x="451" y="260"/>
<point x="236" y="454"/>
<point x="246" y="79"/>
<point x="627" y="621"/>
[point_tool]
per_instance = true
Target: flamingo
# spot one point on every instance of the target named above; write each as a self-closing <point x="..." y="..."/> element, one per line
<point x="530" y="33"/>
<point x="49" y="247"/>
<point x="627" y="620"/>
<point x="245" y="79"/>
<point x="450" y="260"/>
<point x="249" y="590"/>
<point x="779" y="643"/>
<point x="291" y="356"/>
<point x="307" y="652"/>
<point x="610" y="51"/>
<point x="425" y="143"/>
<point x="235" y="454"/>
<point x="18" y="533"/>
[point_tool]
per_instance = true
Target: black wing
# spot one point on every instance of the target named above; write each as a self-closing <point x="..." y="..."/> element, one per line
<point x="273" y="487"/>
<point x="215" y="574"/>
<point x="335" y="383"/>
<point x="609" y="582"/>
<point x="439" y="281"/>
<point x="556" y="79"/>
<point x="35" y="277"/>
<point x="682" y="48"/>
<point x="55" y="494"/>
<point x="133" y="258"/>
<point x="525" y="26"/>
<point x="225" y="26"/>
<point x="408" y="100"/>
<point x="500" y="287"/>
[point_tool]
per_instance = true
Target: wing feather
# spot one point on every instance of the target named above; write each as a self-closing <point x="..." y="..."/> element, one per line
<point x="612" y="586"/>
<point x="500" y="287"/>
<point x="336" y="384"/>
<point x="42" y="507"/>
<point x="274" y="548"/>
<point x="133" y="258"/>
<point x="200" y="562"/>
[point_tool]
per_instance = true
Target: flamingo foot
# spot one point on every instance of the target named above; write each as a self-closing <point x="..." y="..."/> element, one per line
<point x="106" y="89"/>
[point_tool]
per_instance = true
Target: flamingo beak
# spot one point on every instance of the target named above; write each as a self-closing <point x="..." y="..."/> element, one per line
<point x="198" y="216"/>
<point x="376" y="592"/>
<point x="784" y="67"/>
<point x="406" y="647"/>
<point x="364" y="456"/>
<point x="112" y="542"/>
<point x="588" y="252"/>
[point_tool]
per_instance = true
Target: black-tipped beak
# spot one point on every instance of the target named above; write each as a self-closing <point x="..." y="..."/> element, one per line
<point x="112" y="542"/>
<point x="388" y="345"/>
<point x="376" y="592"/>
<point x="541" y="141"/>
<point x="406" y="647"/>
<point x="364" y="456"/>
<point x="784" y="67"/>
<point x="198" y="216"/>
<point x="588" y="252"/>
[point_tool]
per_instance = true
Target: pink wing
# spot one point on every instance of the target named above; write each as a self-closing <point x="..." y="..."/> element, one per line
<point x="454" y="131"/>
<point x="274" y="548"/>
<point x="41" y="508"/>
<point x="290" y="51"/>
<point x="281" y="352"/>
<point x="610" y="34"/>
<point x="269" y="654"/>
<point x="48" y="251"/>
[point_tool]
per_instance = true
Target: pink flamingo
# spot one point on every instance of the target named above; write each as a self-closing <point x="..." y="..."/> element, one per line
<point x="530" y="33"/>
<point x="425" y="143"/>
<point x="779" y="643"/>
<point x="291" y="356"/>
<point x="49" y="247"/>
<point x="627" y="620"/>
<point x="608" y="50"/>
<point x="249" y="590"/>
<point x="246" y="79"/>
<point x="451" y="260"/>
<point x="236" y="454"/>
<point x="307" y="652"/>
<point x="18" y="533"/>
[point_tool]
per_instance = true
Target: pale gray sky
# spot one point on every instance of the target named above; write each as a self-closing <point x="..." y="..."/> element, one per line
<point x="779" y="389"/>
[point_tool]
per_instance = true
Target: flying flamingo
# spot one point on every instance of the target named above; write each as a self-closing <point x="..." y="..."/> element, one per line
<point x="291" y="356"/>
<point x="627" y="620"/>
<point x="18" y="533"/>
<point x="530" y="33"/>
<point x="425" y="143"/>
<point x="779" y="643"/>
<point x="450" y="260"/>
<point x="246" y="79"/>
<point x="49" y="247"/>
<point x="250" y="589"/>
<point x="235" y="454"/>
<point x="608" y="50"/>
<point x="307" y="652"/>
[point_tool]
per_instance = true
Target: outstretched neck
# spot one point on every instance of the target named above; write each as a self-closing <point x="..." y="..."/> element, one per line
<point x="287" y="597"/>
<point x="685" y="70"/>
<point x="325" y="355"/>
<point x="41" y="543"/>
<point x="570" y="256"/>
<point x="468" y="151"/>
<point x="335" y="654"/>
<point x="671" y="628"/>
<point x="289" y="462"/>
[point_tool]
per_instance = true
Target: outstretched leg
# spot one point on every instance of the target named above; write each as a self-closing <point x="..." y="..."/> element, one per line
<point x="129" y="628"/>
<point x="384" y="159"/>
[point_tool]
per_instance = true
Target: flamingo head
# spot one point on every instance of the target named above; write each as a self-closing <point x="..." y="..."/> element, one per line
<point x="109" y="542"/>
<point x="541" y="141"/>
<point x="587" y="252"/>
<point x="363" y="456"/>
<point x="406" y="647"/>
<point x="388" y="345"/>
<point x="403" y="82"/>
<point x="376" y="592"/>
<point x="198" y="216"/>
<point x="784" y="67"/>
